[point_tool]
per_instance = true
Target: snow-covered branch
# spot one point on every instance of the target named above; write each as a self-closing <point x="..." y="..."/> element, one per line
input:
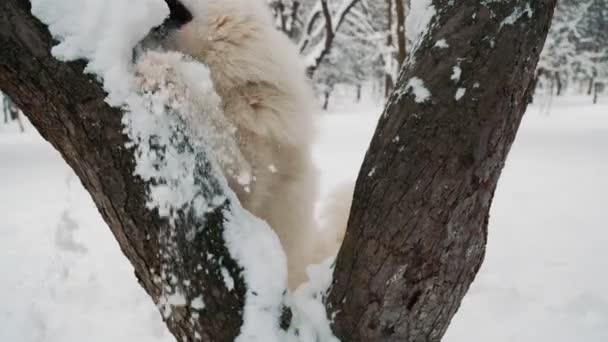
<point x="320" y="31"/>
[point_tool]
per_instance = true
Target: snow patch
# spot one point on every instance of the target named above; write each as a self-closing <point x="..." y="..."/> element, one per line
<point x="197" y="303"/>
<point x="311" y="323"/>
<point x="257" y="248"/>
<point x="460" y="93"/>
<point x="103" y="33"/>
<point x="456" y="73"/>
<point x="416" y="86"/>
<point x="517" y="14"/>
<point x="442" y="44"/>
<point x="228" y="280"/>
<point x="418" y="20"/>
<point x="167" y="302"/>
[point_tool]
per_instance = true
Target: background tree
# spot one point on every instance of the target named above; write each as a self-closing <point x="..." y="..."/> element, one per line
<point x="576" y="54"/>
<point x="11" y="111"/>
<point x="417" y="232"/>
<point x="371" y="47"/>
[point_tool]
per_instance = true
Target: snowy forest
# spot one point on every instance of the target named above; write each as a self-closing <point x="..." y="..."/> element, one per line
<point x="303" y="170"/>
<point x="368" y="43"/>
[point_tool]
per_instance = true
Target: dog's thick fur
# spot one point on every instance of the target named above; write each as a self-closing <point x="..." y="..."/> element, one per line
<point x="266" y="96"/>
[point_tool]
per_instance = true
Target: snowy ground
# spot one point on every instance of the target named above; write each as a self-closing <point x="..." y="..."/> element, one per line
<point x="544" y="279"/>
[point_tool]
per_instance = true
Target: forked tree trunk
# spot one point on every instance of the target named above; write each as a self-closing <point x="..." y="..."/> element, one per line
<point x="417" y="231"/>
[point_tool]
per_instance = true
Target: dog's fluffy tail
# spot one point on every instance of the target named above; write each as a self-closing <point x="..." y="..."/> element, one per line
<point x="334" y="219"/>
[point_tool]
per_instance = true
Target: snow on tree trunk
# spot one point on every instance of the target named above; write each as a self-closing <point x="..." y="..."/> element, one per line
<point x="68" y="109"/>
<point x="418" y="226"/>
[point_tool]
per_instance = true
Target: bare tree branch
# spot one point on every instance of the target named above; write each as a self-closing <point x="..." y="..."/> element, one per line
<point x="322" y="36"/>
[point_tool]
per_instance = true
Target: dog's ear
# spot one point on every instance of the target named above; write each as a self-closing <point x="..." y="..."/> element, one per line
<point x="179" y="15"/>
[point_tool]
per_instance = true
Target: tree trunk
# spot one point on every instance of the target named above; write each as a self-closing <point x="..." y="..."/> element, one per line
<point x="558" y="81"/>
<point x="400" y="32"/>
<point x="388" y="85"/>
<point x="539" y="74"/>
<point x="67" y="107"/>
<point x="326" y="96"/>
<point x="417" y="232"/>
<point x="388" y="73"/>
<point x="20" y="122"/>
<point x="6" y="109"/>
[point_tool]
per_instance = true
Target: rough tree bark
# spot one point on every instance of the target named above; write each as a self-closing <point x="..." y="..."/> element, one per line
<point x="417" y="231"/>
<point x="67" y="107"/>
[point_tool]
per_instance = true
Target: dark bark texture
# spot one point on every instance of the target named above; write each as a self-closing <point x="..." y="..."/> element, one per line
<point x="417" y="230"/>
<point x="67" y="107"/>
<point x="418" y="227"/>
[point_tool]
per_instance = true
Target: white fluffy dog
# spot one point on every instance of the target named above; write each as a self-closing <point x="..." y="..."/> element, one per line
<point x="267" y="98"/>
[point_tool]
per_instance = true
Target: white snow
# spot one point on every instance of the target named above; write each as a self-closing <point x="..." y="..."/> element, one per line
<point x="54" y="294"/>
<point x="309" y="317"/>
<point x="460" y="93"/>
<point x="442" y="44"/>
<point x="456" y="73"/>
<point x="418" y="19"/>
<point x="198" y="303"/>
<point x="517" y="14"/>
<point x="265" y="270"/>
<point x="416" y="86"/>
<point x="542" y="277"/>
<point x="102" y="32"/>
